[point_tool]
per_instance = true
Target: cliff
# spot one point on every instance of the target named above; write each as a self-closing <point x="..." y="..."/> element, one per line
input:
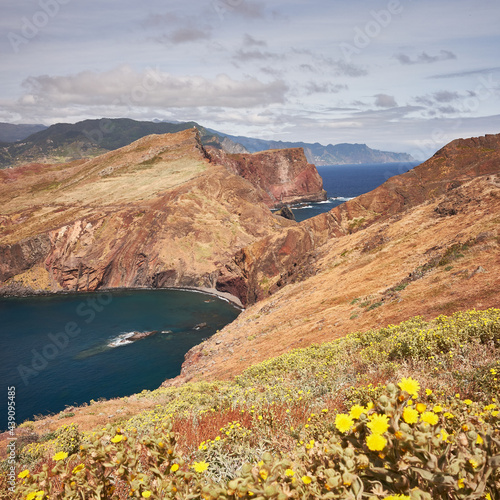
<point x="267" y="265"/>
<point x="156" y="213"/>
<point x="284" y="175"/>
<point x="428" y="245"/>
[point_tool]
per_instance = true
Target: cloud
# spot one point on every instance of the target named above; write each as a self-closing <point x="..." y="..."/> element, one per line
<point x="324" y="88"/>
<point x="341" y="67"/>
<point x="242" y="55"/>
<point x="183" y="35"/>
<point x="485" y="71"/>
<point x="445" y="96"/>
<point x="179" y="28"/>
<point x="250" y="41"/>
<point x="126" y="88"/>
<point x="385" y="101"/>
<point x="246" y="8"/>
<point x="424" y="58"/>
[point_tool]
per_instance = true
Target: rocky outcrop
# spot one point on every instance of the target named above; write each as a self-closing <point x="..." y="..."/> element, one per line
<point x="285" y="212"/>
<point x="154" y="214"/>
<point x="18" y="257"/>
<point x="284" y="175"/>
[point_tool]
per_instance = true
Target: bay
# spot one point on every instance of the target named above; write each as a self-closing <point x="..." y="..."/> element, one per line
<point x="344" y="182"/>
<point x="63" y="350"/>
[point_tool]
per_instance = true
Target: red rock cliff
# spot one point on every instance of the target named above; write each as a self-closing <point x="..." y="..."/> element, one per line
<point x="283" y="174"/>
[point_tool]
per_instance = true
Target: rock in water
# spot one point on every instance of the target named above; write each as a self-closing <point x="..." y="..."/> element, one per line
<point x="285" y="212"/>
<point x="141" y="335"/>
<point x="200" y="326"/>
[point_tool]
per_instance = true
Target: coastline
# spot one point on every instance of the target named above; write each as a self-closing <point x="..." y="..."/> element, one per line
<point x="28" y="292"/>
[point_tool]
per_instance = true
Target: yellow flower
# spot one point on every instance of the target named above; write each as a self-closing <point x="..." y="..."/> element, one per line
<point x="430" y="418"/>
<point x="376" y="442"/>
<point x="263" y="474"/>
<point x="474" y="463"/>
<point x="306" y="479"/>
<point x="117" y="438"/>
<point x="437" y="409"/>
<point x="428" y="392"/>
<point x="410" y="386"/>
<point x="421" y="407"/>
<point x="356" y="411"/>
<point x="468" y="402"/>
<point x="378" y="424"/>
<point x="60" y="456"/>
<point x="397" y="497"/>
<point x="38" y="495"/>
<point x="146" y="494"/>
<point x="479" y="440"/>
<point x="410" y="415"/>
<point x="200" y="466"/>
<point x="174" y="468"/>
<point x="461" y="483"/>
<point x="449" y="415"/>
<point x="444" y="435"/>
<point x="343" y="422"/>
<point x="289" y="472"/>
<point x="23" y="474"/>
<point x="78" y="468"/>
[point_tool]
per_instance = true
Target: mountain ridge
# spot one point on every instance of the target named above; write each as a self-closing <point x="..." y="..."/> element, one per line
<point x="63" y="142"/>
<point x="338" y="154"/>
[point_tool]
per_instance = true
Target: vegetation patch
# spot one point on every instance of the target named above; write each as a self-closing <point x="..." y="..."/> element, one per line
<point x="408" y="411"/>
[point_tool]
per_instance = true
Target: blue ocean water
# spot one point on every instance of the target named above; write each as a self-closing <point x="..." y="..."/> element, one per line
<point x="68" y="349"/>
<point x="343" y="182"/>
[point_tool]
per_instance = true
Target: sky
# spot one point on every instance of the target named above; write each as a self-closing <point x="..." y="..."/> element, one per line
<point x="398" y="75"/>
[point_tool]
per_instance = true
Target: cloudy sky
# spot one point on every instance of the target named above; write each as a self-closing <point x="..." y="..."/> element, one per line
<point x="399" y="75"/>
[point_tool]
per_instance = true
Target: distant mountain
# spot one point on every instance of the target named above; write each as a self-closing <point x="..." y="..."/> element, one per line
<point x="12" y="133"/>
<point x="318" y="154"/>
<point x="65" y="141"/>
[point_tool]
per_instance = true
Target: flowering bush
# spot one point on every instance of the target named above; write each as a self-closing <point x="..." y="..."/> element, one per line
<point x="297" y="427"/>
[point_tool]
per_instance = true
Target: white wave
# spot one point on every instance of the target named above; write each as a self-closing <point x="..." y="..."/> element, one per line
<point x="340" y="198"/>
<point x="301" y="207"/>
<point x="121" y="339"/>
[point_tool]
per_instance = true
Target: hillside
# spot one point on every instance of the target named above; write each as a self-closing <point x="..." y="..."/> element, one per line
<point x="155" y="213"/>
<point x="407" y="412"/>
<point x="12" y="133"/>
<point x="365" y="365"/>
<point x="64" y="142"/>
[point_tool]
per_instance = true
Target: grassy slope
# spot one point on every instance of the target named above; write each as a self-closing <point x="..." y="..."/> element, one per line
<point x="280" y="416"/>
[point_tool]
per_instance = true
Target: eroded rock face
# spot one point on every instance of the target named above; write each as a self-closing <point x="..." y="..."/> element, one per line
<point x="283" y="174"/>
<point x="19" y="257"/>
<point x="155" y="214"/>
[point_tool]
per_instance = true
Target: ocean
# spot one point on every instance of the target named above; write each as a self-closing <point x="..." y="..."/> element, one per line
<point x="344" y="182"/>
<point x="65" y="350"/>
